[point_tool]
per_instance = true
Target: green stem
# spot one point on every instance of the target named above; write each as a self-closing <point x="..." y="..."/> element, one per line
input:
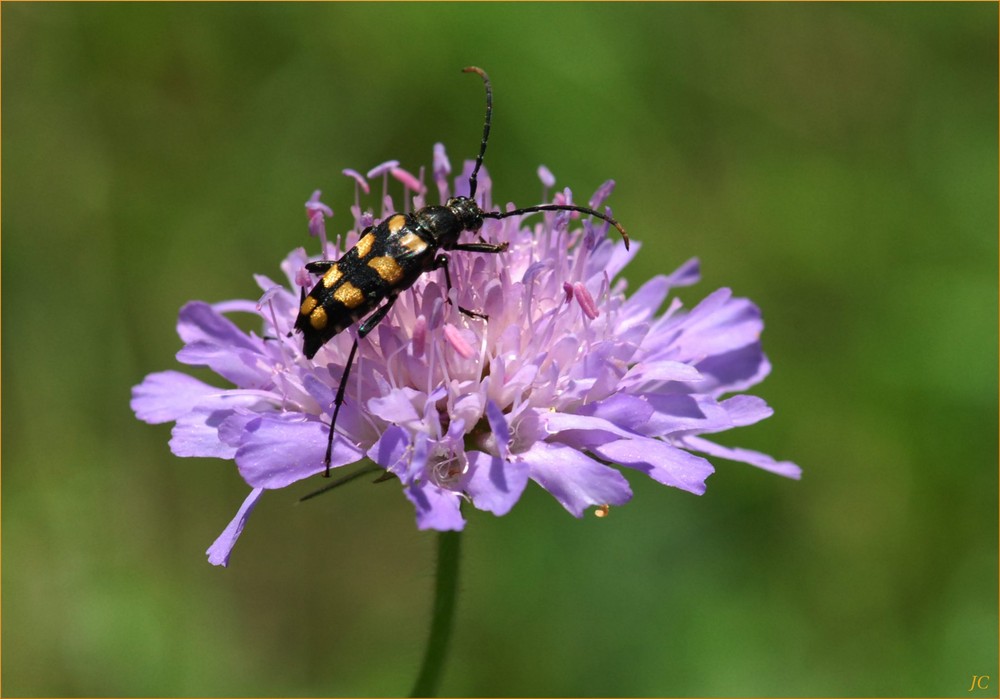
<point x="445" y="593"/>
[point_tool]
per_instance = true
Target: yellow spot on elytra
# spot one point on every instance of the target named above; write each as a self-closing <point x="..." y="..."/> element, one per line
<point x="396" y="223"/>
<point x="387" y="268"/>
<point x="317" y="318"/>
<point x="308" y="305"/>
<point x="349" y="295"/>
<point x="414" y="243"/>
<point x="364" y="245"/>
<point x="332" y="276"/>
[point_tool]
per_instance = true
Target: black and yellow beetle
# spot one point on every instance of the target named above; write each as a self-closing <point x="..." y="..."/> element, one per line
<point x="390" y="257"/>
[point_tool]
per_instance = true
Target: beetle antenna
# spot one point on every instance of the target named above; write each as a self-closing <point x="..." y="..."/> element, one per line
<point x="559" y="207"/>
<point x="486" y="127"/>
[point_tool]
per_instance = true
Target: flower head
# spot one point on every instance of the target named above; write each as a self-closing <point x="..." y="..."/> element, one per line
<point x="567" y="377"/>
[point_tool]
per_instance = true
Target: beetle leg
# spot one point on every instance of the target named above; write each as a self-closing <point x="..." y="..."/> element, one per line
<point x="481" y="247"/>
<point x="319" y="266"/>
<point x="365" y="328"/>
<point x="441" y="262"/>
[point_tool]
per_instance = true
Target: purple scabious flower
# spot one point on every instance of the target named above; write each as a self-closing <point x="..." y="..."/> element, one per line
<point x="567" y="377"/>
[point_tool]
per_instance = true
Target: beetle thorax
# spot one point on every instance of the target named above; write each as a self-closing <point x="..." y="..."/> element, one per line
<point x="468" y="213"/>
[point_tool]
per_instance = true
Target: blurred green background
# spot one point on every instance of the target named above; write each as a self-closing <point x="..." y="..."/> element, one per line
<point x="837" y="163"/>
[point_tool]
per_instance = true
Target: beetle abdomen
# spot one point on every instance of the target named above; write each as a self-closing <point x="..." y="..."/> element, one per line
<point x="385" y="261"/>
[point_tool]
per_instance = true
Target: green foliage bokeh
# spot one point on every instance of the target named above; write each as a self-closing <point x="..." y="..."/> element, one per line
<point x="837" y="163"/>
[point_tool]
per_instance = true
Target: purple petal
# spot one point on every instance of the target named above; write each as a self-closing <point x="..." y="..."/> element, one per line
<point x="396" y="406"/>
<point x="746" y="410"/>
<point x="610" y="257"/>
<point x="462" y="181"/>
<point x="242" y="367"/>
<point x="418" y="459"/>
<point x="436" y="508"/>
<point x="597" y="429"/>
<point x="302" y="278"/>
<point x="733" y="371"/>
<point x="442" y="166"/>
<point x="493" y="483"/>
<point x="280" y="449"/>
<point x="708" y="307"/>
<point x="235" y="306"/>
<point x="682" y="412"/>
<point x="222" y="548"/>
<point x="499" y="427"/>
<point x="390" y="450"/>
<point x="661" y="370"/>
<point x="621" y="409"/>
<point x="660" y="461"/>
<point x="317" y="212"/>
<point x="166" y="395"/>
<point x="754" y="458"/>
<point x="314" y="204"/>
<point x="644" y="303"/>
<point x="720" y="324"/>
<point x="215" y="427"/>
<point x="215" y="341"/>
<point x="574" y="479"/>
<point x="382" y="168"/>
<point x="687" y="274"/>
<point x="602" y="193"/>
<point x="546" y="176"/>
<point x="197" y="434"/>
<point x="200" y="322"/>
<point x="270" y="293"/>
<point x="358" y="177"/>
<point x="232" y="428"/>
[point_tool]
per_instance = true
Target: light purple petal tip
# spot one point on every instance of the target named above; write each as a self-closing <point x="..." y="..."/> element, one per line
<point x="546" y="176"/>
<point x="574" y="479"/>
<point x="663" y="463"/>
<point x="602" y="193"/>
<point x="687" y="274"/>
<point x="166" y="395"/>
<point x="442" y="166"/>
<point x="358" y="178"/>
<point x="269" y="294"/>
<point x="746" y="410"/>
<point x="395" y="406"/>
<point x="220" y="551"/>
<point x="200" y="322"/>
<point x="499" y="427"/>
<point x="314" y="205"/>
<point x="436" y="508"/>
<point x="662" y="370"/>
<point x="390" y="450"/>
<point x="197" y="434"/>
<point x="747" y="456"/>
<point x="494" y="484"/>
<point x="382" y="168"/>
